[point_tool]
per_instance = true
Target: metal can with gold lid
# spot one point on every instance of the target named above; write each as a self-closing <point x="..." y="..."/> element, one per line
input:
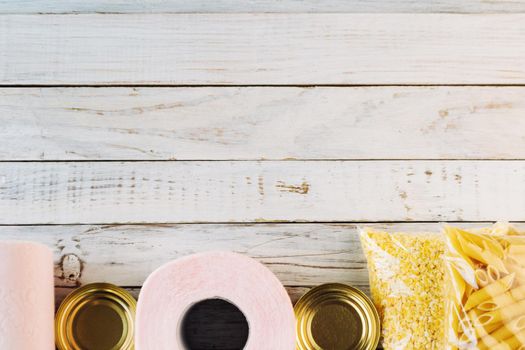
<point x="337" y="317"/>
<point x="97" y="316"/>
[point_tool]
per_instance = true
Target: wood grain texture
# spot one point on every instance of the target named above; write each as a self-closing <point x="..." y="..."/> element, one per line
<point x="299" y="254"/>
<point x="262" y="123"/>
<point x="164" y="192"/>
<point x="243" y="6"/>
<point x="209" y="49"/>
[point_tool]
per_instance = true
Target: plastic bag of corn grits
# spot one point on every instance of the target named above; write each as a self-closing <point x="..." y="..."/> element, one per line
<point x="485" y="289"/>
<point x="406" y="273"/>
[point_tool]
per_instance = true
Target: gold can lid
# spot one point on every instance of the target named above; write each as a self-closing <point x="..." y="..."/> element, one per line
<point x="97" y="316"/>
<point x="336" y="317"/>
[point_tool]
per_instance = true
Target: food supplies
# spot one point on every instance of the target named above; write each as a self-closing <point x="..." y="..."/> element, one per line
<point x="407" y="286"/>
<point x="485" y="278"/>
<point x="457" y="290"/>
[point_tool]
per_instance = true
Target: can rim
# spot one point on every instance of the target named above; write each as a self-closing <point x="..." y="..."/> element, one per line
<point x="82" y="296"/>
<point x="330" y="292"/>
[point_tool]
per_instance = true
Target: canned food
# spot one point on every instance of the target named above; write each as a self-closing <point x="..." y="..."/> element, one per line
<point x="337" y="317"/>
<point x="97" y="316"/>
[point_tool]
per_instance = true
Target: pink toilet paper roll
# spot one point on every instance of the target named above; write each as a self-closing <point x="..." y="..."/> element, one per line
<point x="26" y="296"/>
<point x="172" y="289"/>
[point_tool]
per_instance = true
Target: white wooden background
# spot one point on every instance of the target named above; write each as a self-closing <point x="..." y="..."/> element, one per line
<point x="136" y="132"/>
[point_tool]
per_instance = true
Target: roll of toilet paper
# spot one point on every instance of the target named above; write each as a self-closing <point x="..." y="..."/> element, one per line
<point x="170" y="291"/>
<point x="26" y="296"/>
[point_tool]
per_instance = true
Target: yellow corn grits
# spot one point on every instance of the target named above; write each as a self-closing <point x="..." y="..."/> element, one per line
<point x="407" y="286"/>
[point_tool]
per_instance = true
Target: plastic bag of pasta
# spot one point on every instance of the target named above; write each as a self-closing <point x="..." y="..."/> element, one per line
<point x="406" y="273"/>
<point x="485" y="289"/>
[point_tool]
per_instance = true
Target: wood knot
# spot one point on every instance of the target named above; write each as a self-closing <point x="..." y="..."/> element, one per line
<point x="70" y="270"/>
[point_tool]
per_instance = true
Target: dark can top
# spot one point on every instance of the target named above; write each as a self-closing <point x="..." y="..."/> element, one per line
<point x="97" y="316"/>
<point x="337" y="317"/>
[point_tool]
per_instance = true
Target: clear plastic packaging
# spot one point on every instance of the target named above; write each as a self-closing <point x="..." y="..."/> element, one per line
<point x="407" y="286"/>
<point x="485" y="286"/>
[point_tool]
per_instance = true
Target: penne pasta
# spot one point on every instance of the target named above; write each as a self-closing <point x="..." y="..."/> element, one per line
<point x="453" y="326"/>
<point x="490" y="291"/>
<point x="484" y="331"/>
<point x="508" y="330"/>
<point x="512" y="260"/>
<point x="512" y="343"/>
<point x="482" y="255"/>
<point x="493" y="274"/>
<point x="482" y="277"/>
<point x="517" y="249"/>
<point x="519" y="258"/>
<point x="504" y="314"/>
<point x="494" y="247"/>
<point x="470" y="249"/>
<point x="452" y="240"/>
<point x="457" y="286"/>
<point x="503" y="229"/>
<point x="464" y="273"/>
<point x="468" y="292"/>
<point x="518" y="324"/>
<point x="518" y="271"/>
<point x="487" y="342"/>
<point x="497" y="336"/>
<point x="487" y="276"/>
<point x="512" y="296"/>
<point x="514" y="240"/>
<point x="482" y="241"/>
<point x="508" y="344"/>
<point x="468" y="329"/>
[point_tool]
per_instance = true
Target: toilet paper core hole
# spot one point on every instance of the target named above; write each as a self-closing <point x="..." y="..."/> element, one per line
<point x="214" y="323"/>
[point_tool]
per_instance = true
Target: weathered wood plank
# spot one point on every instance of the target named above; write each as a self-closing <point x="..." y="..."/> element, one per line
<point x="262" y="123"/>
<point x="244" y="6"/>
<point x="208" y="191"/>
<point x="207" y="49"/>
<point x="299" y="254"/>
